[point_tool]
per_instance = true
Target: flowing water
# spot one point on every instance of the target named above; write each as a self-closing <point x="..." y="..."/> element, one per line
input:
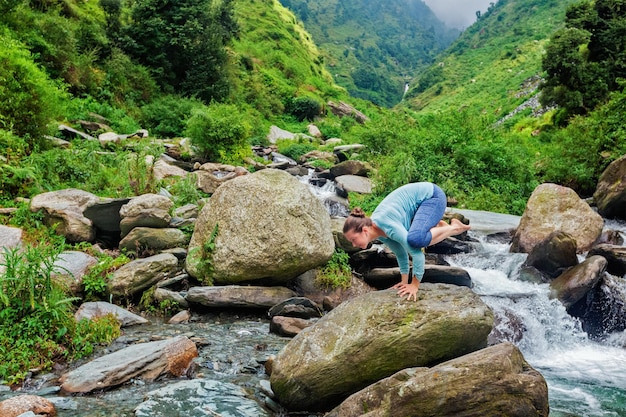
<point x="585" y="378"/>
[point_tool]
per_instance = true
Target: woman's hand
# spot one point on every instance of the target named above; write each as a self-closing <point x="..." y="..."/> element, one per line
<point x="410" y="290"/>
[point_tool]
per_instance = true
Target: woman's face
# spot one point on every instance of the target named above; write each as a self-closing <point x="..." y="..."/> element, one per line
<point x="359" y="239"/>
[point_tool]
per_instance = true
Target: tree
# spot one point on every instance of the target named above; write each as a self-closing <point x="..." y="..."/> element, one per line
<point x="585" y="60"/>
<point x="183" y="43"/>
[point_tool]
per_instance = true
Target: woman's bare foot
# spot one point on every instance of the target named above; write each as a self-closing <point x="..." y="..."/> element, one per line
<point x="441" y="224"/>
<point x="459" y="226"/>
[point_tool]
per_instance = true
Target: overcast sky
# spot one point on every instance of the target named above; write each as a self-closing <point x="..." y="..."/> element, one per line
<point x="458" y="13"/>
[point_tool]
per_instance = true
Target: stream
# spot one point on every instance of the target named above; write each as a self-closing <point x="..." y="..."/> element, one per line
<point x="585" y="378"/>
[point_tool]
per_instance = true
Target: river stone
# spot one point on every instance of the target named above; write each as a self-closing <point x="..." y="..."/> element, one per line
<point x="64" y="211"/>
<point x="147" y="210"/>
<point x="141" y="274"/>
<point x="610" y="194"/>
<point x="153" y="239"/>
<point x="270" y="227"/>
<point x="288" y="326"/>
<point x="351" y="167"/>
<point x="95" y="309"/>
<point x="200" y="398"/>
<point x="373" y="336"/>
<point x="615" y="256"/>
<point x="238" y="296"/>
<point x="162" y="294"/>
<point x="22" y="404"/>
<point x="574" y="284"/>
<point x="496" y="381"/>
<point x="552" y="208"/>
<point x="169" y="357"/>
<point x="553" y="255"/>
<point x="603" y="310"/>
<point x="70" y="267"/>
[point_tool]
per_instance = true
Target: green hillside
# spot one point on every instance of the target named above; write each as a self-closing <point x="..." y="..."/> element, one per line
<point x="484" y="69"/>
<point x="374" y="47"/>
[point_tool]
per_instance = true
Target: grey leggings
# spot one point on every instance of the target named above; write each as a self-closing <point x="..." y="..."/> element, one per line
<point x="428" y="214"/>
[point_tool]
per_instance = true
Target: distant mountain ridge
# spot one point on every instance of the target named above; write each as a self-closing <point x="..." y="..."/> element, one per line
<point x="487" y="65"/>
<point x="372" y="47"/>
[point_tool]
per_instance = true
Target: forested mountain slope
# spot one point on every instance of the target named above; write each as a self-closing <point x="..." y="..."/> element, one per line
<point x="486" y="66"/>
<point x="373" y="47"/>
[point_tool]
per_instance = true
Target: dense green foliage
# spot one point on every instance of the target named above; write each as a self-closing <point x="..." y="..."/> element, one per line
<point x="585" y="59"/>
<point x="182" y="42"/>
<point x="374" y="47"/>
<point x="485" y="67"/>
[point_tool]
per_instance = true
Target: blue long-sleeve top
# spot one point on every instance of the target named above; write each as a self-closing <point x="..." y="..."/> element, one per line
<point x="394" y="216"/>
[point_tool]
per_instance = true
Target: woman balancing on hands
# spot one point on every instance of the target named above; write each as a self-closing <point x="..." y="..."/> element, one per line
<point x="407" y="220"/>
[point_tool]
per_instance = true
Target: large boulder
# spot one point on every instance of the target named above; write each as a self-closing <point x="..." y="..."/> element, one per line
<point x="373" y="336"/>
<point x="269" y="227"/>
<point x="64" y="211"/>
<point x="552" y="208"/>
<point x="610" y="194"/>
<point x="496" y="381"/>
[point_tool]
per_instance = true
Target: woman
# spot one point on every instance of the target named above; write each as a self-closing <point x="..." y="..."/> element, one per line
<point x="407" y="220"/>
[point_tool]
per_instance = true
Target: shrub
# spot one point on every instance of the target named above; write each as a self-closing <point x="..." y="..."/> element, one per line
<point x="218" y="131"/>
<point x="337" y="272"/>
<point x="167" y="116"/>
<point x="304" y="108"/>
<point x="37" y="325"/>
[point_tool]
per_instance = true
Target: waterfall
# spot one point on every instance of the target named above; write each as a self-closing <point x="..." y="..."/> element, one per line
<point x="585" y="378"/>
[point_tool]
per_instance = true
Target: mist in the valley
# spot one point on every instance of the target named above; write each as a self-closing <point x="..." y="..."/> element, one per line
<point x="458" y="13"/>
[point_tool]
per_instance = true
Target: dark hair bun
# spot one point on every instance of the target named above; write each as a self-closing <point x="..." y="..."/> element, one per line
<point x="357" y="212"/>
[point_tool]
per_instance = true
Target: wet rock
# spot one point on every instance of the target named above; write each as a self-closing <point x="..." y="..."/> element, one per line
<point x="300" y="307"/>
<point x="288" y="326"/>
<point x="610" y="194"/>
<point x="238" y="296"/>
<point x="147" y="210"/>
<point x="271" y="229"/>
<point x="615" y="256"/>
<point x="574" y="284"/>
<point x="553" y="208"/>
<point x="603" y="310"/>
<point x="170" y="357"/>
<point x="373" y="336"/>
<point x="553" y="255"/>
<point x="180" y="318"/>
<point x="200" y="398"/>
<point x="95" y="309"/>
<point x="141" y="274"/>
<point x="23" y="404"/>
<point x="492" y="381"/>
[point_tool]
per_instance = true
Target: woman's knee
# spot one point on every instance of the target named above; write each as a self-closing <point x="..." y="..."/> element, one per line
<point x="419" y="239"/>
